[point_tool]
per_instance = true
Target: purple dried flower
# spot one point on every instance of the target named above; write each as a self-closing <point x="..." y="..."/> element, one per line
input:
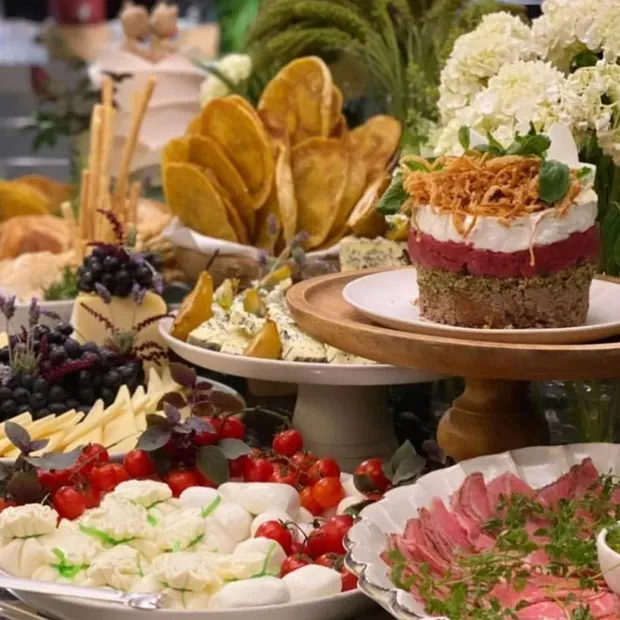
<point x="5" y="374"/>
<point x="299" y="256"/>
<point x="34" y="312"/>
<point x="263" y="258"/>
<point x="103" y="293"/>
<point x="50" y="314"/>
<point x="300" y="238"/>
<point x="158" y="283"/>
<point x="137" y="293"/>
<point x="272" y="225"/>
<point x="8" y="308"/>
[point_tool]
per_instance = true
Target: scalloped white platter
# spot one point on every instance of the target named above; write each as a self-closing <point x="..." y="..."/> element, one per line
<point x="367" y="538"/>
<point x="390" y="299"/>
<point x="337" y="607"/>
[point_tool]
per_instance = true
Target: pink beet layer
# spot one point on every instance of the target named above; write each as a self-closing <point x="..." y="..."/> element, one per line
<point x="464" y="258"/>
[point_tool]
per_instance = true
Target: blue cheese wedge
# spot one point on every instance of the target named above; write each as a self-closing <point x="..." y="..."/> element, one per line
<point x="336" y="356"/>
<point x="296" y="346"/>
<point x="211" y="334"/>
<point x="245" y="322"/>
<point x="358" y="253"/>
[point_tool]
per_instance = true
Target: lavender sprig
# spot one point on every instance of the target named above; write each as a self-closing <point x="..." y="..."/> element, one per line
<point x="7" y="307"/>
<point x="34" y="312"/>
<point x="137" y="293"/>
<point x="103" y="293"/>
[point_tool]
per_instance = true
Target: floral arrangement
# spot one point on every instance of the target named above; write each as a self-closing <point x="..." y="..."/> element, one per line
<point x="505" y="76"/>
<point x="226" y="76"/>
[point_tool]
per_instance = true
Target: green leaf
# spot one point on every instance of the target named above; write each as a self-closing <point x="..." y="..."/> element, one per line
<point x="495" y="145"/>
<point x="212" y="463"/>
<point x="55" y="460"/>
<point x="406" y="463"/>
<point x="465" y="137"/>
<point x="529" y="145"/>
<point x="554" y="181"/>
<point x="233" y="448"/>
<point x="394" y="197"/>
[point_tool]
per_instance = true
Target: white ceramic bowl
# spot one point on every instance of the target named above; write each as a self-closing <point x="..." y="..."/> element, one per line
<point x="367" y="538"/>
<point x="609" y="561"/>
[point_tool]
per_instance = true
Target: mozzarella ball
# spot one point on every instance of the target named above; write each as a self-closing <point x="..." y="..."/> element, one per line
<point x="346" y="503"/>
<point x="266" y="546"/>
<point x="259" y="497"/>
<point x="250" y="593"/>
<point x="198" y="497"/>
<point x="235" y="519"/>
<point x="312" y="581"/>
<point x="270" y="515"/>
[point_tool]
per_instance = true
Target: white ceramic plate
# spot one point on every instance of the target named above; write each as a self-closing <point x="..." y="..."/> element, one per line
<point x="367" y="538"/>
<point x="337" y="607"/>
<point x="390" y="297"/>
<point x="292" y="372"/>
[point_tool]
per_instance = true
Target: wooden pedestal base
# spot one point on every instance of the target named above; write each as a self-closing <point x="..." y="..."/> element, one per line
<point x="490" y="417"/>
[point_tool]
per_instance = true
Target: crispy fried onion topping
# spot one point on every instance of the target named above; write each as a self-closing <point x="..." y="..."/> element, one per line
<point x="479" y="185"/>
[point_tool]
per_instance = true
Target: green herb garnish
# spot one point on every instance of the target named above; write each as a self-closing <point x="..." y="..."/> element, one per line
<point x="63" y="289"/>
<point x="394" y="197"/>
<point x="554" y="181"/>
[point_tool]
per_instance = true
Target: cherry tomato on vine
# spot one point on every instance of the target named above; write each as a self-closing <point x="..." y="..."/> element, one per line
<point x="293" y="562"/>
<point x="54" y="479"/>
<point x="329" y="537"/>
<point x="121" y="473"/>
<point x="178" y="480"/>
<point x="92" y="497"/>
<point x="69" y="503"/>
<point x="372" y="472"/>
<point x="328" y="492"/>
<point x="283" y="474"/>
<point x="92" y="455"/>
<point x="257" y="470"/>
<point x="235" y="467"/>
<point x="233" y="428"/>
<point x="288" y="442"/>
<point x="309" y="503"/>
<point x="324" y="468"/>
<point x="103" y="478"/>
<point x="139" y="464"/>
<point x="275" y="530"/>
<point x="349" y="580"/>
<point x="331" y="560"/>
<point x="303" y="461"/>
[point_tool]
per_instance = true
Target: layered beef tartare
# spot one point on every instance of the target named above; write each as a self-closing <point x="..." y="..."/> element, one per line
<point x="501" y="242"/>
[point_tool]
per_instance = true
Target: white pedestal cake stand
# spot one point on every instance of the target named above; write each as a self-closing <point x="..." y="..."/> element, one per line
<point x="341" y="409"/>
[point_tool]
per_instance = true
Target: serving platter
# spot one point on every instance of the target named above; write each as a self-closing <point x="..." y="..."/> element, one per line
<point x="366" y="540"/>
<point x="337" y="607"/>
<point x="341" y="409"/>
<point x="390" y="299"/>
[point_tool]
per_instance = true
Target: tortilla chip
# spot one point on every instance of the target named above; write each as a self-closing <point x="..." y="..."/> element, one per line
<point x="297" y="103"/>
<point x="192" y="197"/>
<point x="340" y="129"/>
<point x="268" y="224"/>
<point x="335" y="112"/>
<point x="320" y="173"/>
<point x="207" y="153"/>
<point x="375" y="142"/>
<point x="245" y="143"/>
<point x="356" y="184"/>
<point x="365" y="220"/>
<point x="195" y="126"/>
<point x="22" y="199"/>
<point x="285" y="189"/>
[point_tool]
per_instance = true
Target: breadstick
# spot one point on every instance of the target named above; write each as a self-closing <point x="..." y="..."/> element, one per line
<point x="132" y="206"/>
<point x="94" y="165"/>
<point x="141" y="102"/>
<point x="84" y="209"/>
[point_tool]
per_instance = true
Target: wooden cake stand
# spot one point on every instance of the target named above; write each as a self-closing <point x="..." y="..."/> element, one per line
<point x="493" y="414"/>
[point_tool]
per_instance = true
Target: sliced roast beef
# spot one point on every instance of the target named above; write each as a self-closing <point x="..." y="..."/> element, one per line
<point x="447" y="524"/>
<point x="505" y="486"/>
<point x="415" y="547"/>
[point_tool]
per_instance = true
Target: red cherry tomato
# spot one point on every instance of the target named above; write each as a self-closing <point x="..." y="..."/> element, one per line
<point x="92" y="497"/>
<point x="236" y="466"/>
<point x="331" y="560"/>
<point x="6" y="503"/>
<point x="328" y="538"/>
<point x="293" y="562"/>
<point x="283" y="474"/>
<point x="274" y="530"/>
<point x="328" y="492"/>
<point x="309" y="503"/>
<point x="324" y="468"/>
<point x="288" y="442"/>
<point x="52" y="480"/>
<point x="349" y="580"/>
<point x="209" y="438"/>
<point x="303" y="461"/>
<point x="372" y="473"/>
<point x="343" y="522"/>
<point x="204" y="481"/>
<point x="139" y="464"/>
<point x="103" y="478"/>
<point x="92" y="455"/>
<point x="233" y="428"/>
<point x="121" y="473"/>
<point x="179" y="480"/>
<point x="69" y="503"/>
<point x="257" y="470"/>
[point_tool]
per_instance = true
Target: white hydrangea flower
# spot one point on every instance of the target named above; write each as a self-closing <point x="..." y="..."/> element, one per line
<point x="236" y="67"/>
<point x="499" y="39"/>
<point x="522" y="93"/>
<point x="568" y="27"/>
<point x="592" y="104"/>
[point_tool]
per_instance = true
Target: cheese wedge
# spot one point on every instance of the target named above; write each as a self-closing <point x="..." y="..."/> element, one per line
<point x="95" y="435"/>
<point x="98" y="417"/>
<point x="122" y="427"/>
<point x="155" y="384"/>
<point x="55" y="440"/>
<point x="23" y="419"/>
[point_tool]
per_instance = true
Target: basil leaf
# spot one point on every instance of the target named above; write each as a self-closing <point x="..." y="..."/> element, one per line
<point x="529" y="145"/>
<point x="394" y="196"/>
<point x="465" y="137"/>
<point x="494" y="145"/>
<point x="554" y="181"/>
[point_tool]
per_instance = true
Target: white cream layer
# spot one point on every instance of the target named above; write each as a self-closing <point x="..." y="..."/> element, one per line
<point x="491" y="233"/>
